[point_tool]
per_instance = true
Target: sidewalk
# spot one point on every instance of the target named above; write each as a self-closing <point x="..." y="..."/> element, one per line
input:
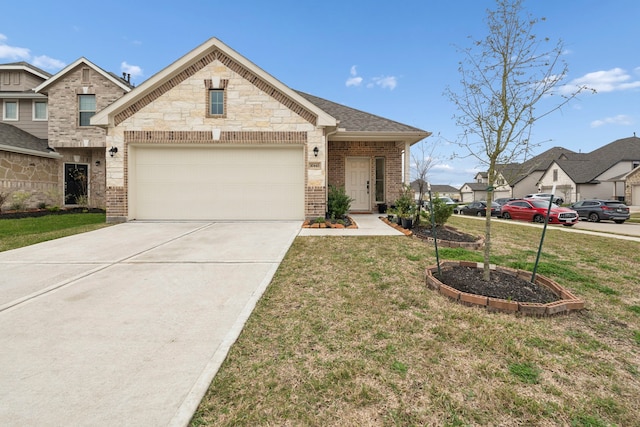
<point x="368" y="225"/>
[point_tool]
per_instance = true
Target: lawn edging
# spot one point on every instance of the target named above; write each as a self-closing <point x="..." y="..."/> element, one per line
<point x="566" y="304"/>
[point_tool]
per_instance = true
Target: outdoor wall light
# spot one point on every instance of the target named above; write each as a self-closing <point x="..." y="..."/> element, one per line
<point x="113" y="150"/>
<point x="316" y="151"/>
<point x="97" y="162"/>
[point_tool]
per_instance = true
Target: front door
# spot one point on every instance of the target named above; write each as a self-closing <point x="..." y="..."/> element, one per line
<point x="358" y="182"/>
<point x="76" y="183"/>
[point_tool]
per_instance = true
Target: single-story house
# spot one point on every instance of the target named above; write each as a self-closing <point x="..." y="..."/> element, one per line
<point x="213" y="136"/>
<point x="443" y="190"/>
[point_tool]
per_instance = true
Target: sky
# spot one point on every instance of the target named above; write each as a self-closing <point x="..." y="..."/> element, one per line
<point x="392" y="59"/>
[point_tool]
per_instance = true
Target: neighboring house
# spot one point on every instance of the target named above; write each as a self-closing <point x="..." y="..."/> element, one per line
<point x="524" y="178"/>
<point x="477" y="191"/>
<point x="74" y="95"/>
<point x="440" y="189"/>
<point x="213" y="136"/>
<point x="600" y="174"/>
<point x="27" y="164"/>
<point x="632" y="187"/>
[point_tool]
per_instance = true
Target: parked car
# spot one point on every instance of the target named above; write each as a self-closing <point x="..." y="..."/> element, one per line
<point x="501" y="201"/>
<point x="545" y="196"/>
<point x="480" y="209"/>
<point x="536" y="210"/>
<point x="447" y="200"/>
<point x="596" y="210"/>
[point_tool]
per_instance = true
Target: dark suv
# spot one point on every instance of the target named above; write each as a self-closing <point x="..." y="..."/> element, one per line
<point x="595" y="210"/>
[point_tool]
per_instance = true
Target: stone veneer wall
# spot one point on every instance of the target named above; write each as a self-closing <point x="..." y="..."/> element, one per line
<point x="63" y="108"/>
<point x="390" y="151"/>
<point x="35" y="175"/>
<point x="632" y="180"/>
<point x="253" y="116"/>
<point x="97" y="173"/>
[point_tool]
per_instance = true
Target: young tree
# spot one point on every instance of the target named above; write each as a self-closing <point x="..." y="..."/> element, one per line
<point x="503" y="79"/>
<point x="422" y="161"/>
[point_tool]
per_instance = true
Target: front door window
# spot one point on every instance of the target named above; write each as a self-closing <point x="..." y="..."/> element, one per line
<point x="76" y="184"/>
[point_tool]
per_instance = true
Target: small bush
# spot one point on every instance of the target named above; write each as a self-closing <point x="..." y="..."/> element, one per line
<point x="19" y="200"/>
<point x="3" y="198"/>
<point x="441" y="211"/>
<point x="405" y="204"/>
<point x="338" y="203"/>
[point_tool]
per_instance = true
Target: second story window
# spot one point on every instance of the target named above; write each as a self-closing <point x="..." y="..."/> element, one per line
<point x="86" y="108"/>
<point x="216" y="102"/>
<point x="10" y="110"/>
<point x="39" y="110"/>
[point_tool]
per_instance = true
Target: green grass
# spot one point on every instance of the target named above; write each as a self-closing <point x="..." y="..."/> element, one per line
<point x="16" y="233"/>
<point x="348" y="334"/>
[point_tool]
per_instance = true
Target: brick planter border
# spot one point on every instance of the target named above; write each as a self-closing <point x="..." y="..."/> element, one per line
<point x="328" y="224"/>
<point x="567" y="303"/>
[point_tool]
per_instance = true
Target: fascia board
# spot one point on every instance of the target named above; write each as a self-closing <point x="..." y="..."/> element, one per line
<point x="411" y="137"/>
<point x="52" y="155"/>
<point x="102" y="118"/>
<point x="71" y="66"/>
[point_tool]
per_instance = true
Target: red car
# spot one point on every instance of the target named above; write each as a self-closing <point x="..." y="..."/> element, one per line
<point x="536" y="210"/>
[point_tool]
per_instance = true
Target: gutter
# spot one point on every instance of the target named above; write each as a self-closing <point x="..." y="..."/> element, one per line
<point x="19" y="150"/>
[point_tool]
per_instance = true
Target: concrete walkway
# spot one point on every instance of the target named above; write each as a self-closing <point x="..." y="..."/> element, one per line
<point x="127" y="325"/>
<point x="368" y="225"/>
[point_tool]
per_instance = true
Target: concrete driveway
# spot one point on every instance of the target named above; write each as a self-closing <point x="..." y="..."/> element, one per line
<point x="127" y="325"/>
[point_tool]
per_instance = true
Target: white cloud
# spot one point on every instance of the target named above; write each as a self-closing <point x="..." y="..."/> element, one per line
<point x="11" y="52"/>
<point x="615" y="79"/>
<point x="386" y="82"/>
<point x="354" y="80"/>
<point x="620" y="119"/>
<point x="23" y="54"/>
<point x="443" y="167"/>
<point x="134" y="70"/>
<point x="46" y="63"/>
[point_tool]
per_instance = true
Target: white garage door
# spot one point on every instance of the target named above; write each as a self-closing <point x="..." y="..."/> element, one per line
<point x="216" y="183"/>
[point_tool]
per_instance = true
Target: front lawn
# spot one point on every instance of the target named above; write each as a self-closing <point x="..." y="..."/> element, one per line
<point x="16" y="233"/>
<point x="347" y="334"/>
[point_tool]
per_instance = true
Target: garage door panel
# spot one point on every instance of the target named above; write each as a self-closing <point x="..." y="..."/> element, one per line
<point x="218" y="183"/>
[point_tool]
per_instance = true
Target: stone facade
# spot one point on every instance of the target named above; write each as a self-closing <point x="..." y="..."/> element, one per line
<point x="35" y="176"/>
<point x="255" y="114"/>
<point x="632" y="185"/>
<point x="81" y="144"/>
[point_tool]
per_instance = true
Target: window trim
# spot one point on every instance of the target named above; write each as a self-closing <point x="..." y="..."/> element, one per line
<point x="4" y="110"/>
<point x="33" y="110"/>
<point x="224" y="102"/>
<point x="380" y="180"/>
<point x="86" y="111"/>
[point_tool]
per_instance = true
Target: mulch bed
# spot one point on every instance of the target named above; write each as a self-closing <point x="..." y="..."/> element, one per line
<point x="43" y="212"/>
<point x="502" y="285"/>
<point x="443" y="233"/>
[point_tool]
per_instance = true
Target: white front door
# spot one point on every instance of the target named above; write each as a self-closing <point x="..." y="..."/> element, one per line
<point x="358" y="182"/>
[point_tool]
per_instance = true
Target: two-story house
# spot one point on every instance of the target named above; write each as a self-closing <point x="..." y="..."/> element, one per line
<point x="74" y="95"/>
<point x="27" y="164"/>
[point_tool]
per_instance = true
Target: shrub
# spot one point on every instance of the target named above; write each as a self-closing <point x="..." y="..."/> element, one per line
<point x="338" y="203"/>
<point x="19" y="200"/>
<point x="441" y="211"/>
<point x="405" y="204"/>
<point x="3" y="198"/>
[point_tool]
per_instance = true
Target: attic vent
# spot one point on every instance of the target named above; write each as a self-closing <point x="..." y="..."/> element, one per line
<point x="86" y="76"/>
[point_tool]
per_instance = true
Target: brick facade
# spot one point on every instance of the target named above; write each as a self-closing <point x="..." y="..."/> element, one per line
<point x="390" y="151"/>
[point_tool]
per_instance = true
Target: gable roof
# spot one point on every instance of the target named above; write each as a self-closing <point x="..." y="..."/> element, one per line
<point x="193" y="61"/>
<point x="475" y="186"/>
<point x="435" y="188"/>
<point x="584" y="168"/>
<point x="16" y="140"/>
<point x="356" y="124"/>
<point x="60" y="74"/>
<point x="25" y="66"/>
<point x="516" y="172"/>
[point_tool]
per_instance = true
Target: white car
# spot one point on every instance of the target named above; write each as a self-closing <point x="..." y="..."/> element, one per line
<point x="557" y="200"/>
